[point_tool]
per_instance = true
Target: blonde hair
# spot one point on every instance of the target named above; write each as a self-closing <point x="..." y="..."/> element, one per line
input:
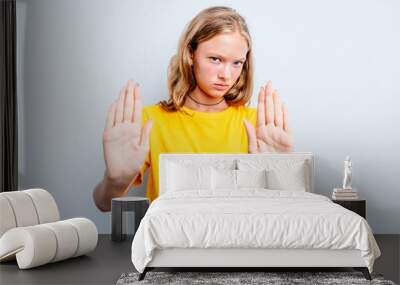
<point x="205" y="25"/>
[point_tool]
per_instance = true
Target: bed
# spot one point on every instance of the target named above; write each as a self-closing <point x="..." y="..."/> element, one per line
<point x="246" y="211"/>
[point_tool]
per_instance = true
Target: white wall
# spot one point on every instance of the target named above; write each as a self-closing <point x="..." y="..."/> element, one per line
<point x="335" y="63"/>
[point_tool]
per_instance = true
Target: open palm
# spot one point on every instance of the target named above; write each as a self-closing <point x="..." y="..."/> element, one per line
<point x="125" y="142"/>
<point x="272" y="132"/>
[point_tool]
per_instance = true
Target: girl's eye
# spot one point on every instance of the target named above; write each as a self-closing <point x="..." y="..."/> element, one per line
<point x="217" y="60"/>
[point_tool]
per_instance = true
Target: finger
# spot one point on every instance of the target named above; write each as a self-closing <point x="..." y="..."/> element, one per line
<point x="137" y="111"/>
<point x="119" y="115"/>
<point x="278" y="110"/>
<point x="261" y="108"/>
<point x="145" y="135"/>
<point x="286" y="127"/>
<point x="129" y="101"/>
<point x="251" y="136"/>
<point x="110" y="116"/>
<point x="269" y="104"/>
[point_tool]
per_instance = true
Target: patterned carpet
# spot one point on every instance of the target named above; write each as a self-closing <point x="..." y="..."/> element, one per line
<point x="225" y="278"/>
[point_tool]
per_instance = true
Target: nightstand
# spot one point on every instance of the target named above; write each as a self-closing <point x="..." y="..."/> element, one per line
<point x="138" y="205"/>
<point x="357" y="206"/>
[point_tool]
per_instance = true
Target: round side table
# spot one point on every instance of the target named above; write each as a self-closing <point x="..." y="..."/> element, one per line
<point x="138" y="205"/>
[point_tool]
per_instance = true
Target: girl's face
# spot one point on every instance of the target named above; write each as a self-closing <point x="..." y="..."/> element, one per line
<point x="218" y="62"/>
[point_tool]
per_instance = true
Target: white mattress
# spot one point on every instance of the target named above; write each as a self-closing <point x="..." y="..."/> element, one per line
<point x="250" y="218"/>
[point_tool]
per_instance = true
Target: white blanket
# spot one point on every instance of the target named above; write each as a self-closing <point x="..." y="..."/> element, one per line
<point x="251" y="218"/>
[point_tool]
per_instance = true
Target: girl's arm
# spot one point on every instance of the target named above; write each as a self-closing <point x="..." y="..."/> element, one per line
<point x="109" y="188"/>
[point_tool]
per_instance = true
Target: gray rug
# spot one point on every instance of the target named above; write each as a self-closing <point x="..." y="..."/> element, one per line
<point x="228" y="278"/>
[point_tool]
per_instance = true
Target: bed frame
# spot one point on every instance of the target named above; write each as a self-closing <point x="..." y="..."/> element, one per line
<point x="248" y="259"/>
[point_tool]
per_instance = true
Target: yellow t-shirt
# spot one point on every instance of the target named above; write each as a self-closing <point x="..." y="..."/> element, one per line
<point x="192" y="132"/>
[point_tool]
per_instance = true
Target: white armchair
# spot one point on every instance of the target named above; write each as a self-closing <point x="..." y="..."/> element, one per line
<point x="31" y="230"/>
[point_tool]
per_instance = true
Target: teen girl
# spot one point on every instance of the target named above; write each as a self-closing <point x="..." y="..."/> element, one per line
<point x="209" y="84"/>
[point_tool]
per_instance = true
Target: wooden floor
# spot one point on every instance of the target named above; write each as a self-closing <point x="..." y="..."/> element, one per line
<point x="111" y="259"/>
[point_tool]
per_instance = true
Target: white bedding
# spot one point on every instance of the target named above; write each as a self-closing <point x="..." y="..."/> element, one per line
<point x="250" y="218"/>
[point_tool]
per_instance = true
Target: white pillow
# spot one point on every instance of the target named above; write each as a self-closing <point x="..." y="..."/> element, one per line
<point x="224" y="179"/>
<point x="252" y="178"/>
<point x="236" y="179"/>
<point x="182" y="177"/>
<point x="287" y="179"/>
<point x="282" y="174"/>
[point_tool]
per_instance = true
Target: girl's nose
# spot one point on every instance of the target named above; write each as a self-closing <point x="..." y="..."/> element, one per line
<point x="225" y="72"/>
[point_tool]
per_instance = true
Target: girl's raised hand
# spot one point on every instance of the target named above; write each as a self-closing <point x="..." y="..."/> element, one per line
<point x="125" y="142"/>
<point x="272" y="132"/>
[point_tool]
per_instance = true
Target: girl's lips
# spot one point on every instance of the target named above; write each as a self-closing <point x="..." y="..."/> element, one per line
<point x="220" y="86"/>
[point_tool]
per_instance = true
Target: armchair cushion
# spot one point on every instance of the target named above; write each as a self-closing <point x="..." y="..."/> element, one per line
<point x="40" y="244"/>
<point x="31" y="232"/>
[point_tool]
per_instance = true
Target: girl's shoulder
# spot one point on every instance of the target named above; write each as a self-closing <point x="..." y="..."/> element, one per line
<point x="156" y="112"/>
<point x="153" y="110"/>
<point x="248" y="111"/>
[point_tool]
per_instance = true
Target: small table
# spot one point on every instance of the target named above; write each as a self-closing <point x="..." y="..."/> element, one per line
<point x="138" y="205"/>
<point x="357" y="206"/>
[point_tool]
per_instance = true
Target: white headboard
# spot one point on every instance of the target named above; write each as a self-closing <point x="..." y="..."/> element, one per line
<point x="230" y="159"/>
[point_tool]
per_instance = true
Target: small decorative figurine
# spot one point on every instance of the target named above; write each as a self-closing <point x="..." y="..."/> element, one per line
<point x="347" y="173"/>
